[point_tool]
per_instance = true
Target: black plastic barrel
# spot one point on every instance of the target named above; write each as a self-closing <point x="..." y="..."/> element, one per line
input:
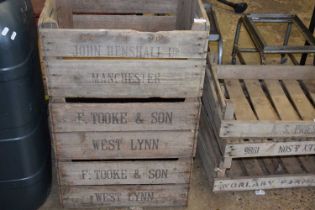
<point x="25" y="167"/>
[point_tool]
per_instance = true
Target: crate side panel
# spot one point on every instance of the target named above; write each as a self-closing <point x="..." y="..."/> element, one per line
<point x="124" y="117"/>
<point x="124" y="43"/>
<point x="124" y="196"/>
<point x="123" y="145"/>
<point x="125" y="78"/>
<point x="125" y="172"/>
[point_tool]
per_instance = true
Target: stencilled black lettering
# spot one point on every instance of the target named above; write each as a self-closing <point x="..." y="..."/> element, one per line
<point x="101" y="118"/>
<point x="162" y="118"/>
<point x="87" y="50"/>
<point x="158" y="173"/>
<point x="141" y="196"/>
<point x="107" y="144"/>
<point x="251" y="150"/>
<point x="125" y="78"/>
<point x="144" y="144"/>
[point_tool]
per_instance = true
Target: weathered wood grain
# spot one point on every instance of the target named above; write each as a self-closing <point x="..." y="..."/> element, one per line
<point x="265" y="72"/>
<point x="64" y="13"/>
<point x="259" y="98"/>
<point x="48" y="18"/>
<point x="123" y="43"/>
<point x="125" y="78"/>
<point x="133" y="22"/>
<point x="124" y="196"/>
<point x="267" y="129"/>
<point x="123" y="6"/>
<point x="124" y="116"/>
<point x="270" y="149"/>
<point x="125" y="172"/>
<point x="263" y="183"/>
<point x="123" y="145"/>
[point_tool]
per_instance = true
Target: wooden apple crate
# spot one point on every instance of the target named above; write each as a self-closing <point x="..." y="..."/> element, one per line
<point x="111" y="49"/>
<point x="124" y="81"/>
<point x="257" y="123"/>
<point x="130" y="146"/>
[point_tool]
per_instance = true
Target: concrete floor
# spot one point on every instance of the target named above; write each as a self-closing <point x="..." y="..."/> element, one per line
<point x="201" y="197"/>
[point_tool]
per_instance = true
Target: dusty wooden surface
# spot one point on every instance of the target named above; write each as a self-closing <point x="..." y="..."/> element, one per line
<point x="200" y="197"/>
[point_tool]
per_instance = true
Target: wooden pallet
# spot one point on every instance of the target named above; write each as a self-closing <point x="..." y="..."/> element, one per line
<point x="254" y="173"/>
<point x="261" y="110"/>
<point x="256" y="127"/>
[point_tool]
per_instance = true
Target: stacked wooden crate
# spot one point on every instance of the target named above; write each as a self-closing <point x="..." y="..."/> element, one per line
<point x="124" y="81"/>
<point x="257" y="127"/>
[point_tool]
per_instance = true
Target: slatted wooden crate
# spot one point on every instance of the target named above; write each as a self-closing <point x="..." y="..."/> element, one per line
<point x="124" y="131"/>
<point x="124" y="81"/>
<point x="252" y="173"/>
<point x="261" y="110"/>
<point x="106" y="49"/>
<point x="257" y="115"/>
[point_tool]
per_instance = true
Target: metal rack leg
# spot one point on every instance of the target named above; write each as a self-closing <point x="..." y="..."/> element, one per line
<point x="236" y="40"/>
<point x="311" y="29"/>
<point x="286" y="41"/>
<point x="220" y="51"/>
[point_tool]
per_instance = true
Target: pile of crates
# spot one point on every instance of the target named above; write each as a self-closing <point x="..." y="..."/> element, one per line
<point x="124" y="82"/>
<point x="257" y="127"/>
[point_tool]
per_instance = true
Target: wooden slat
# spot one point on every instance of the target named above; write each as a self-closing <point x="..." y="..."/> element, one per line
<point x="235" y="170"/>
<point x="124" y="43"/>
<point x="292" y="165"/>
<point x="123" y="145"/>
<point x="267" y="129"/>
<point x="263" y="183"/>
<point x="252" y="167"/>
<point x="270" y="72"/>
<point x="124" y="116"/>
<point x="48" y="17"/>
<point x="271" y="148"/>
<point x="290" y="126"/>
<point x="125" y="172"/>
<point x="243" y="111"/>
<point x="209" y="142"/>
<point x="280" y="100"/>
<point x="200" y="18"/>
<point x="211" y="102"/>
<point x="308" y="162"/>
<point x="205" y="159"/>
<point x="125" y="78"/>
<point x="64" y="13"/>
<point x="134" y="22"/>
<point x="264" y="111"/>
<point x="302" y="104"/>
<point x="273" y="165"/>
<point x="310" y="85"/>
<point x="124" y="196"/>
<point x="260" y="102"/>
<point x="123" y="6"/>
<point x="211" y="76"/>
<point x="185" y="14"/>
